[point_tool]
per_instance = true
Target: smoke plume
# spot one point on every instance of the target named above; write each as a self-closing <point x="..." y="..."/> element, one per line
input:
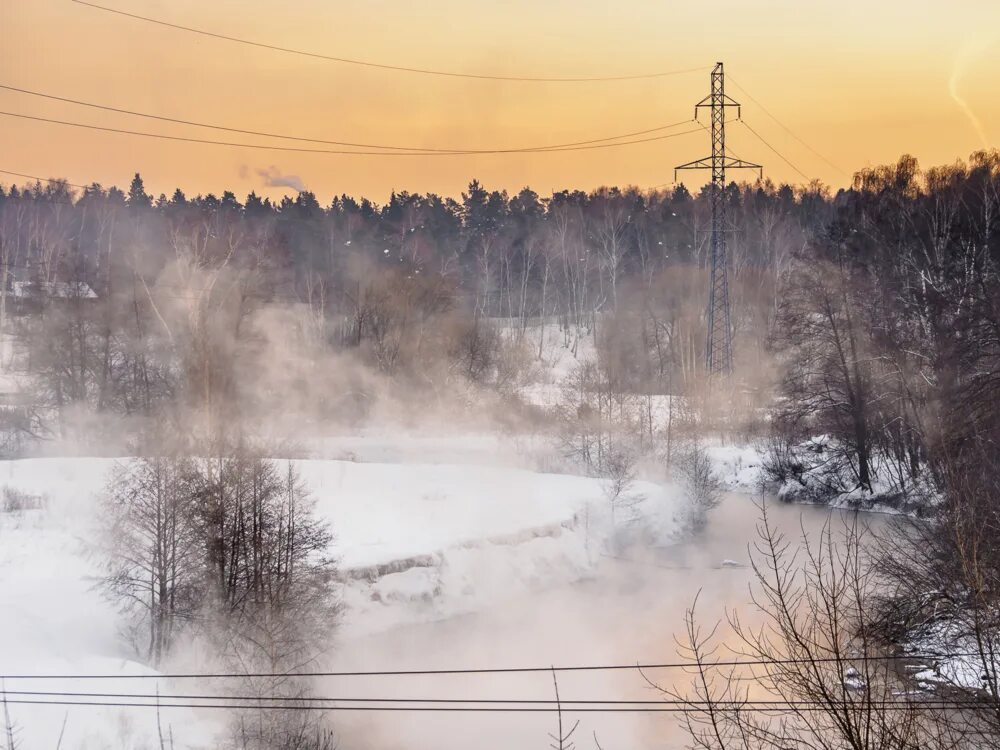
<point x="273" y="177"/>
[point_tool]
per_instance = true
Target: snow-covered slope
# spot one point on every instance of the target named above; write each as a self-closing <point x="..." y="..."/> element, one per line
<point x="388" y="512"/>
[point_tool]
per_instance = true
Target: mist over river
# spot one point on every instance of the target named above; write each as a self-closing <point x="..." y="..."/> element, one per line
<point x="629" y="612"/>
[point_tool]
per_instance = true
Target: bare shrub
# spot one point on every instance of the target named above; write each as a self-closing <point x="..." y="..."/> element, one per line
<point x="702" y="486"/>
<point x="288" y="730"/>
<point x="266" y="645"/>
<point x="597" y="418"/>
<point x="620" y="474"/>
<point x="474" y="348"/>
<point x="393" y="311"/>
<point x="15" y="500"/>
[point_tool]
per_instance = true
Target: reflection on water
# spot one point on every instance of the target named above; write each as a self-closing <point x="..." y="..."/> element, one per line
<point x="630" y="612"/>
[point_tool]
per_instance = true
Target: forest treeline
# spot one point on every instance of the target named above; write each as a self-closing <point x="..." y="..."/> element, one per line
<point x="871" y="313"/>
<point x="125" y="304"/>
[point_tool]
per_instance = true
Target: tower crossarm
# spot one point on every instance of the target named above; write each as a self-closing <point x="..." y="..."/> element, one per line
<point x="703" y="163"/>
<point x="724" y="101"/>
<point x="730" y="163"/>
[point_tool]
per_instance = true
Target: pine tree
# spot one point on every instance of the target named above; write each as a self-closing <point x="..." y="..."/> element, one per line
<point x="138" y="198"/>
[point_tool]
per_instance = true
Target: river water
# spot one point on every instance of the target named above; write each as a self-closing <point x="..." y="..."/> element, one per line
<point x="630" y="612"/>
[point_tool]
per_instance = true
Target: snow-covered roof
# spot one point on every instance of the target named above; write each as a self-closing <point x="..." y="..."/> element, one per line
<point x="58" y="289"/>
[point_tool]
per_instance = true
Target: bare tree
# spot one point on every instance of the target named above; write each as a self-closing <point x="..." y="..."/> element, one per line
<point x="815" y="673"/>
<point x="620" y="474"/>
<point x="10" y="729"/>
<point x="277" y="609"/>
<point x="154" y="566"/>
<point x="828" y="384"/>
<point x="701" y="485"/>
<point x="561" y="739"/>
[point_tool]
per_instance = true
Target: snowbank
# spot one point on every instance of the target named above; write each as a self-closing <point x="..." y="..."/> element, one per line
<point x="738" y="466"/>
<point x="963" y="661"/>
<point x="819" y="471"/>
<point x="386" y="512"/>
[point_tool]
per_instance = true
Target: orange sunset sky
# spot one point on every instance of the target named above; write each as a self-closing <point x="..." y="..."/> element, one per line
<point x="859" y="81"/>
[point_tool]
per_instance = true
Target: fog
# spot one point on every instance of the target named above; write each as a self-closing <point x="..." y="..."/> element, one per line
<point x="550" y="351"/>
<point x="631" y="611"/>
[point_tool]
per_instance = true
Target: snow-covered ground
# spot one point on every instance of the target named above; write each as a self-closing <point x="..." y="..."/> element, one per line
<point x="415" y="541"/>
<point x="54" y="621"/>
<point x="418" y="541"/>
<point x="963" y="659"/>
<point x="817" y="473"/>
<point x="738" y="466"/>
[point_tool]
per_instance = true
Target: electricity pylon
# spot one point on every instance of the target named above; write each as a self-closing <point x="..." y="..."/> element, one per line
<point x="719" y="348"/>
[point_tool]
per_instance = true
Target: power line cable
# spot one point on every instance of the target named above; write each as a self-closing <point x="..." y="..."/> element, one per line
<point x="788" y="130"/>
<point x="283" y="136"/>
<point x="496" y="670"/>
<point x="265" y="147"/>
<point x="674" y="709"/>
<point x="778" y="153"/>
<point x="42" y="179"/>
<point x="384" y="66"/>
<point x="692" y="703"/>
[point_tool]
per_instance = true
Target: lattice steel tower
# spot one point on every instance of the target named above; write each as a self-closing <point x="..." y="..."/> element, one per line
<point x="719" y="348"/>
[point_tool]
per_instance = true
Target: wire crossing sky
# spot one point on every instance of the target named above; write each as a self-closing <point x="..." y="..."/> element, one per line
<point x="395" y="68"/>
<point x="831" y="87"/>
<point x="265" y="147"/>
